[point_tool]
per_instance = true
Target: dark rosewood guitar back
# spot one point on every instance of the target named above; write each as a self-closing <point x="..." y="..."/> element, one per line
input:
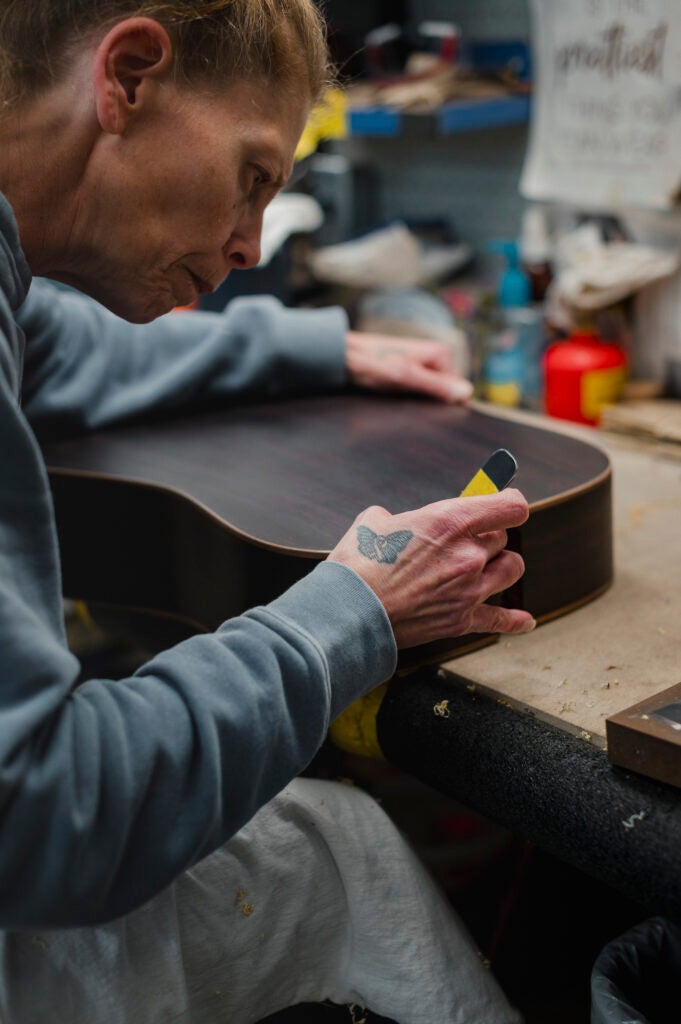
<point x="204" y="516"/>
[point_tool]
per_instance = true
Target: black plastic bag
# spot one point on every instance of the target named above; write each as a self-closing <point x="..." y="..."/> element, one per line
<point x="637" y="977"/>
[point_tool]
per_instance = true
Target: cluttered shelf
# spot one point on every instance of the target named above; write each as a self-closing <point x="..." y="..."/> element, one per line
<point x="487" y="86"/>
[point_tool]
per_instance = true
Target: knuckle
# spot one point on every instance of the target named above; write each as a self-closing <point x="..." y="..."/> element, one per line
<point x="373" y="512"/>
<point x="497" y="620"/>
<point x="471" y="562"/>
<point x="448" y="521"/>
<point x="493" y="616"/>
<point x="516" y="564"/>
<point x="500" y="539"/>
<point x="400" y="370"/>
<point x="504" y="570"/>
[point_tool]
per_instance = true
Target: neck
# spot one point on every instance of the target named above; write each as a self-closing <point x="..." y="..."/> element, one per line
<point x="43" y="151"/>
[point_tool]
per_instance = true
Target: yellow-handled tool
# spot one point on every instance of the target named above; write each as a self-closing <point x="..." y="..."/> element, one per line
<point x="497" y="473"/>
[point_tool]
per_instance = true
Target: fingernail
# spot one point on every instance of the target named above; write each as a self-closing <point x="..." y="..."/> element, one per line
<point x="528" y="626"/>
<point x="460" y="390"/>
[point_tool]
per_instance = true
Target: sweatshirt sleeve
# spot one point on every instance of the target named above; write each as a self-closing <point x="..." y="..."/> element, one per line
<point x="109" y="789"/>
<point x="86" y="368"/>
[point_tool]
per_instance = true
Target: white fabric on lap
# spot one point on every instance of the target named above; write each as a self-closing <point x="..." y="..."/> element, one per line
<point x="318" y="897"/>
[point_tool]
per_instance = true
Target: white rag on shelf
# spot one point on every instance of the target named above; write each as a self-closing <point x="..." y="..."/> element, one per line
<point x="390" y="257"/>
<point x="594" y="274"/>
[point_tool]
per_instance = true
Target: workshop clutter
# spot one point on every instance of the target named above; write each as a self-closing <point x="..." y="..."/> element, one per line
<point x="420" y="68"/>
<point x="551" y="333"/>
<point x="555" y="332"/>
<point x="589" y="306"/>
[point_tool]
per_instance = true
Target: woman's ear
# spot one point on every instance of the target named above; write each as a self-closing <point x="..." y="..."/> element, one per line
<point x="131" y="58"/>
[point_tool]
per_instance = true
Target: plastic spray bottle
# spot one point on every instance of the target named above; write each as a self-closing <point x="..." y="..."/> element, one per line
<point x="536" y="250"/>
<point x="512" y="366"/>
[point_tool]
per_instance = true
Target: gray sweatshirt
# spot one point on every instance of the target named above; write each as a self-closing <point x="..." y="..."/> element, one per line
<point x="110" y="789"/>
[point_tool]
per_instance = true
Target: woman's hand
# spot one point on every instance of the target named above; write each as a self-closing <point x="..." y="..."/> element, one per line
<point x="435" y="568"/>
<point x="386" y="363"/>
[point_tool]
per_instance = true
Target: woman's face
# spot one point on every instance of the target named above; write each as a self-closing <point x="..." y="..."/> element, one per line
<point x="168" y="209"/>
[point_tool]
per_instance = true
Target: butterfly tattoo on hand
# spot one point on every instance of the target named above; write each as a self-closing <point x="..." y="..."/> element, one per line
<point x="382" y="549"/>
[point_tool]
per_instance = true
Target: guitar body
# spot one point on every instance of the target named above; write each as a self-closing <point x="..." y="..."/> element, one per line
<point x="202" y="517"/>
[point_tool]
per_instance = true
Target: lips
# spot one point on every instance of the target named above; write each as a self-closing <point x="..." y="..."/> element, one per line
<point x="202" y="286"/>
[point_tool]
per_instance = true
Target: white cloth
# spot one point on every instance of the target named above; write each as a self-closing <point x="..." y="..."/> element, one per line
<point x="289" y="213"/>
<point x="317" y="898"/>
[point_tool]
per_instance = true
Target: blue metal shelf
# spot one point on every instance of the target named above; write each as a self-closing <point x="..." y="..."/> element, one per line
<point x="375" y="122"/>
<point x="451" y="118"/>
<point x="474" y="115"/>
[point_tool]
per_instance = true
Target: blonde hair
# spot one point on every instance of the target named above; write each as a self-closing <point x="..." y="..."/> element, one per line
<point x="282" y="41"/>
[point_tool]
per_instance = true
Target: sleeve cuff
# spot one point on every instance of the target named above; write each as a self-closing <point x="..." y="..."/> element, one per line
<point x="310" y="345"/>
<point x="344" y="619"/>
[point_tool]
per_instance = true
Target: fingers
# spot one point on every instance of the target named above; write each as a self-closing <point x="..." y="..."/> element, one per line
<point x="483" y="521"/>
<point x="493" y="543"/>
<point x="501" y="572"/>
<point x="478" y="515"/>
<point x="430" y="369"/>
<point x="496" y="511"/>
<point x="446" y="386"/>
<point x="384" y="363"/>
<point x="435" y="354"/>
<point x="492" y="619"/>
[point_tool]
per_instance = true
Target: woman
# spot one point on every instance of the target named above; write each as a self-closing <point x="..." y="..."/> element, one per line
<point x="152" y="824"/>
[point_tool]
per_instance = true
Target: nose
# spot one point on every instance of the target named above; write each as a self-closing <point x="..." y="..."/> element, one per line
<point x="242" y="251"/>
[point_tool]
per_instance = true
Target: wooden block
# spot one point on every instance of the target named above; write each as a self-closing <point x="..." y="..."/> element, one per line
<point x="647" y="736"/>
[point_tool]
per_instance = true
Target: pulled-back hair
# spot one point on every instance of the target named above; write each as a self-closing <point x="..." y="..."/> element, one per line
<point x="282" y="41"/>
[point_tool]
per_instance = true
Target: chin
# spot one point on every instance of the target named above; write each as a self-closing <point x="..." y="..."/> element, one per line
<point x="142" y="316"/>
<point x="131" y="302"/>
<point x="135" y="307"/>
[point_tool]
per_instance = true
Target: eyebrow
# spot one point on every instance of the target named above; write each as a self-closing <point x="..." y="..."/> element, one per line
<point x="280" y="177"/>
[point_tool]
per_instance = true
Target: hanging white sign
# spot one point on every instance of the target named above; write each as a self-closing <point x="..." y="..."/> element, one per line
<point x="606" y="121"/>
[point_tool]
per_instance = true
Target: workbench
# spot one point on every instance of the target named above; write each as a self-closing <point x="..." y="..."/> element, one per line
<point x="516" y="730"/>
